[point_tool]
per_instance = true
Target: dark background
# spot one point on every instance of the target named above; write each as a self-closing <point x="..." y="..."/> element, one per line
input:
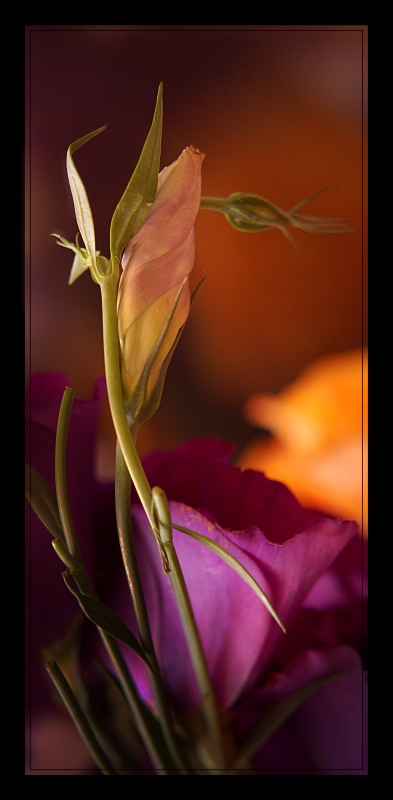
<point x="278" y="111"/>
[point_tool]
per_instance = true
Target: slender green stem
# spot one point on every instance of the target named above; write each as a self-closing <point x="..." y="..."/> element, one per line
<point x="79" y="719"/>
<point x="134" y="702"/>
<point x="116" y="401"/>
<point x="126" y="539"/>
<point x="60" y="474"/>
<point x="108" y="287"/>
<point x="215" y="204"/>
<point x="79" y="573"/>
<point x="209" y="704"/>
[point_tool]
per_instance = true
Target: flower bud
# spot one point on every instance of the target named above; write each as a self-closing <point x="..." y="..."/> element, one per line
<point x="154" y="294"/>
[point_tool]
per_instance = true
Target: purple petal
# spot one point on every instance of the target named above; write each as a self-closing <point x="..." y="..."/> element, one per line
<point x="238" y="634"/>
<point x="196" y="473"/>
<point x="327" y="733"/>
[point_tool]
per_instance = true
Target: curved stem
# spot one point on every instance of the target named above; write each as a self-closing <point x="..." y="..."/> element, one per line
<point x="209" y="704"/>
<point x="126" y="539"/>
<point x="79" y="719"/>
<point x="60" y="473"/>
<point x="78" y="571"/>
<point x="115" y="393"/>
<point x="108" y="287"/>
<point x="215" y="204"/>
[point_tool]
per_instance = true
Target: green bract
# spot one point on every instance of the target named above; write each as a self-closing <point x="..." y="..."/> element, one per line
<point x="134" y="206"/>
<point x="250" y="213"/>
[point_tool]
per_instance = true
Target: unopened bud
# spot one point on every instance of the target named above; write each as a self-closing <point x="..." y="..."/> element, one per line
<point x="154" y="294"/>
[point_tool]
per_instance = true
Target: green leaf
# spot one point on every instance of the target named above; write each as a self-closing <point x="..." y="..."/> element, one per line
<point x="102" y="616"/>
<point x="133" y="208"/>
<point x="43" y="502"/>
<point x="236" y="566"/>
<point x="276" y="717"/>
<point x="83" y="213"/>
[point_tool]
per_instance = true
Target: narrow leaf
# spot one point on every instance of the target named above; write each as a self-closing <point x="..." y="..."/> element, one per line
<point x="43" y="502"/>
<point x="276" y="717"/>
<point x="102" y="616"/>
<point x="150" y="720"/>
<point x="236" y="566"/>
<point x="83" y="213"/>
<point x="133" y="208"/>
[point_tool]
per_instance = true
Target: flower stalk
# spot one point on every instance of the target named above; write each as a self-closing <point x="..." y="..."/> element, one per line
<point x="161" y="512"/>
<point x="79" y="574"/>
<point x="126" y="540"/>
<point x="79" y="719"/>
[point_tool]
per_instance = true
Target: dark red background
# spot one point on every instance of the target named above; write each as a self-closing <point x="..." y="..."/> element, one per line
<point x="278" y="112"/>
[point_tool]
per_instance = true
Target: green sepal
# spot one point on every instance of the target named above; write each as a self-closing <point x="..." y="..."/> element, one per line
<point x="82" y="208"/>
<point x="82" y="260"/>
<point x="133" y="208"/>
<point x="276" y="717"/>
<point x="43" y="502"/>
<point x="236" y="566"/>
<point x="104" y="618"/>
<point x="138" y="409"/>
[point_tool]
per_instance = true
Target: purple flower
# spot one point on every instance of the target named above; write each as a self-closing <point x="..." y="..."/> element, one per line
<point x="310" y="568"/>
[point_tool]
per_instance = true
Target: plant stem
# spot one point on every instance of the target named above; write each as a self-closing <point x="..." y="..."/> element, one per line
<point x="126" y="539"/>
<point x="61" y="476"/>
<point x="209" y="703"/>
<point x="108" y="287"/>
<point x="215" y="204"/>
<point x="136" y="706"/>
<point x="78" y="718"/>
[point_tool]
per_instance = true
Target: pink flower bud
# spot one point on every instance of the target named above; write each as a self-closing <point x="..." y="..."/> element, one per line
<point x="154" y="294"/>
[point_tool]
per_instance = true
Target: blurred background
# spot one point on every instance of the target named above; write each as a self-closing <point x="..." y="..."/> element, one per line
<point x="279" y="112"/>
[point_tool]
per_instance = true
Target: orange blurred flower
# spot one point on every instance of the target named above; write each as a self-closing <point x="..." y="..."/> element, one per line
<point x="319" y="424"/>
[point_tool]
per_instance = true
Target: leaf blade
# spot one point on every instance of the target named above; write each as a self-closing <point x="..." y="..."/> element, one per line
<point x="236" y="566"/>
<point x="82" y="208"/>
<point x="104" y="618"/>
<point x="43" y="502"/>
<point x="132" y="209"/>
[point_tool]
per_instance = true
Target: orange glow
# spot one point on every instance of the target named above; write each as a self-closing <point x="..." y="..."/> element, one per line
<point x="319" y="424"/>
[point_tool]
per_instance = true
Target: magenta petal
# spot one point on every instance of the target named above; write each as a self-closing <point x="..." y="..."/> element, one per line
<point x="197" y="473"/>
<point x="232" y="621"/>
<point x="238" y="634"/>
<point x="293" y="567"/>
<point x="327" y="733"/>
